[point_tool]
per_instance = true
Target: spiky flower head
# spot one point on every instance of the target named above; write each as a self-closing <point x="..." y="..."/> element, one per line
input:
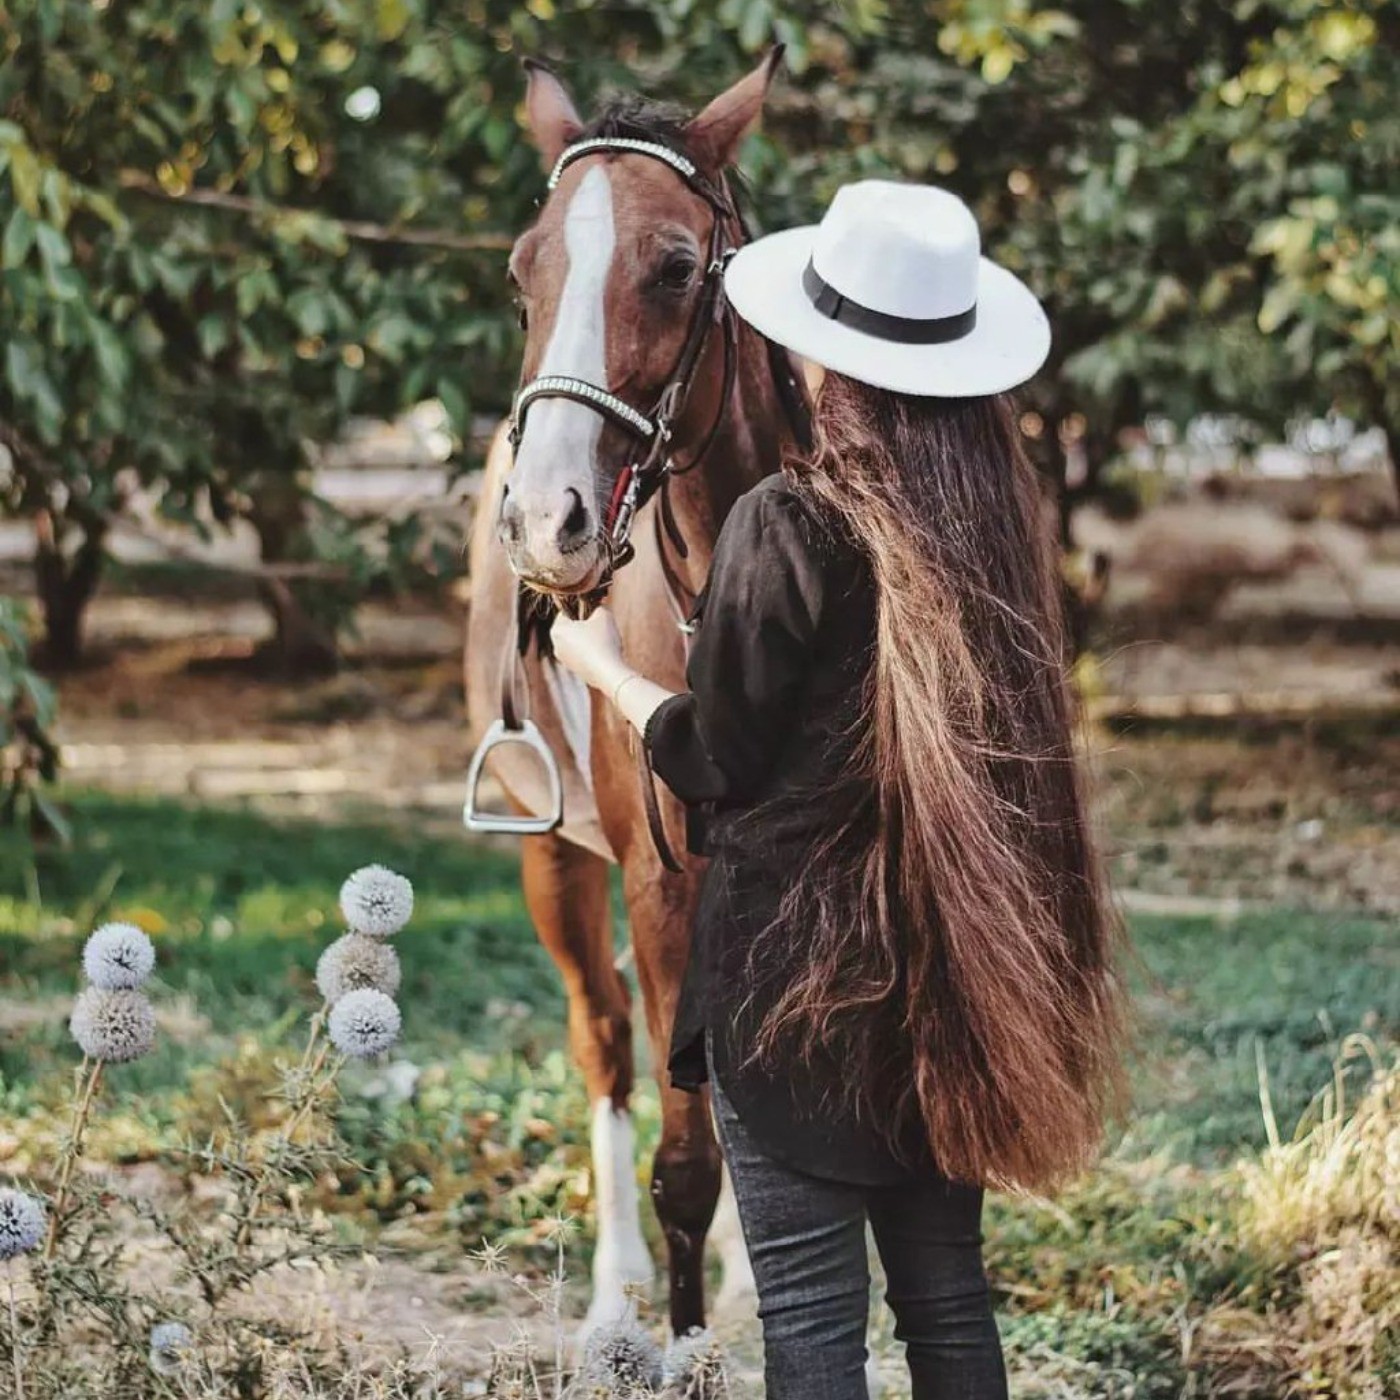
<point x="22" y="1222"/>
<point x="694" y="1366"/>
<point x="621" y="1358"/>
<point x="118" y="956"/>
<point x="354" y="962"/>
<point x="364" y="1023"/>
<point x="376" y="901"/>
<point x="171" y="1344"/>
<point x="115" y="1026"/>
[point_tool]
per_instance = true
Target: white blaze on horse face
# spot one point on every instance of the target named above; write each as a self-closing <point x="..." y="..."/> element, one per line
<point x="558" y="450"/>
<point x="621" y="1256"/>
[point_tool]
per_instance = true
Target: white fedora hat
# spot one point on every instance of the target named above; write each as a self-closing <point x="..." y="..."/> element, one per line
<point x="891" y="289"/>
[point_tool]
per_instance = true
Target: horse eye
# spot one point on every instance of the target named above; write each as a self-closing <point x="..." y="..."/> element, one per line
<point x="676" y="272"/>
<point x="517" y="295"/>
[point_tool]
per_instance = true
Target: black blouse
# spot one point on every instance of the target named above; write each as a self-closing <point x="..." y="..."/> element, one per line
<point x="781" y="653"/>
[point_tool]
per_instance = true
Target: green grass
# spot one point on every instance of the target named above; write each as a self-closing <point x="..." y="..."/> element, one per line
<point x="248" y="903"/>
<point x="1216" y="999"/>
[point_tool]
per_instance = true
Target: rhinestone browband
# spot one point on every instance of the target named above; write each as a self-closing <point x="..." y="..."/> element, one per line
<point x="563" y="386"/>
<point x="686" y="168"/>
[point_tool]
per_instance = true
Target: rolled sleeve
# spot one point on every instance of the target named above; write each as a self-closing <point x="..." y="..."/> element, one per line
<point x="759" y="612"/>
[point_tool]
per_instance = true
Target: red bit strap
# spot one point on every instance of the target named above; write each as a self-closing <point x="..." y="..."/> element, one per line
<point x="619" y="491"/>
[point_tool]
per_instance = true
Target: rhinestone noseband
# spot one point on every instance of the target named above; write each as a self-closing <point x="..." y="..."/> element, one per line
<point x="565" y="386"/>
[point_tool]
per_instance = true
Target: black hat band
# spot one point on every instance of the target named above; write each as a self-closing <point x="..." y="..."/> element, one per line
<point x="906" y="330"/>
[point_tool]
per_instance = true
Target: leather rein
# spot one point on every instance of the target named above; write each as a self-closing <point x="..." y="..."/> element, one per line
<point x="644" y="477"/>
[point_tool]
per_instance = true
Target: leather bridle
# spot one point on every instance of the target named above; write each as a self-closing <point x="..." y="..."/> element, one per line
<point x="652" y="431"/>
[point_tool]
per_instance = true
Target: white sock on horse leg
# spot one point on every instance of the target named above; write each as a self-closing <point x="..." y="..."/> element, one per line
<point x="621" y="1256"/>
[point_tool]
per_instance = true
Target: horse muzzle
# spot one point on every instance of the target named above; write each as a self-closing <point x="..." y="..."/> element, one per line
<point x="554" y="545"/>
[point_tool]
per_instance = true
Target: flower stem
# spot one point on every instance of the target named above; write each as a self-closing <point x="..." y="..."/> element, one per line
<point x="14" y="1334"/>
<point x="306" y="1102"/>
<point x="73" y="1149"/>
<point x="318" y="1022"/>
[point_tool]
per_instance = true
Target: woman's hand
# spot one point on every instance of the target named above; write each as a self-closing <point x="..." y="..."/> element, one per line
<point x="591" y="649"/>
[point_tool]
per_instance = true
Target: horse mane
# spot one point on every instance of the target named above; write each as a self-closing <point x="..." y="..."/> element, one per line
<point x="629" y="116"/>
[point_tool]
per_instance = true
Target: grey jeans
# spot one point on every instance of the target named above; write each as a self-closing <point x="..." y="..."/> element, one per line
<point x="806" y="1240"/>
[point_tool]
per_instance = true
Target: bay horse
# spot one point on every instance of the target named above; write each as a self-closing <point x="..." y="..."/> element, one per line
<point x="611" y="279"/>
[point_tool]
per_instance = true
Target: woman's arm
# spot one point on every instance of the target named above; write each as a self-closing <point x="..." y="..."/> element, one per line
<point x="592" y="650"/>
<point x="718" y="740"/>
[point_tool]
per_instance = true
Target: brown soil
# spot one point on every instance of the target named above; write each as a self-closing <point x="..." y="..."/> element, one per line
<point x="1231" y="769"/>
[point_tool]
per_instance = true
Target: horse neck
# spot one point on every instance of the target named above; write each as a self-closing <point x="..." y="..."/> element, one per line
<point x="749" y="444"/>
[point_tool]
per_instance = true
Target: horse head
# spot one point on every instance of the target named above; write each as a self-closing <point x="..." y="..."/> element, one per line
<point x="610" y="280"/>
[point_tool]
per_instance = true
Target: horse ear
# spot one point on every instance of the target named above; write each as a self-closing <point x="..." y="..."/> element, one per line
<point x="550" y="115"/>
<point x="714" y="135"/>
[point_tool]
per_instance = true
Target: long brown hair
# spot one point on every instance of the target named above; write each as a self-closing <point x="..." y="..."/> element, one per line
<point x="952" y="938"/>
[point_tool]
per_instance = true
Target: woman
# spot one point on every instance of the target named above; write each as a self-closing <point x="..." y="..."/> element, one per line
<point x="901" y="987"/>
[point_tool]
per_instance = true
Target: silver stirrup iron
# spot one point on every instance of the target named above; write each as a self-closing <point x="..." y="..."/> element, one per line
<point x="476" y="818"/>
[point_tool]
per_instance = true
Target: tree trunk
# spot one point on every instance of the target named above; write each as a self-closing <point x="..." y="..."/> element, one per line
<point x="66" y="586"/>
<point x="300" y="645"/>
<point x="1391" y="433"/>
<point x="303" y="644"/>
<point x="1378" y="405"/>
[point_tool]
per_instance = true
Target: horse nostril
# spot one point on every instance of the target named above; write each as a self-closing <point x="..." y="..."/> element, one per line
<point x="509" y="520"/>
<point x="576" y="526"/>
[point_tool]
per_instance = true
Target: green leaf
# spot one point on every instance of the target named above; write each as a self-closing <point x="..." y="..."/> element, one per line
<point x="41" y="696"/>
<point x="19" y="368"/>
<point x="454" y="401"/>
<point x="113" y="358"/>
<point x="757" y="25"/>
<point x="25" y="176"/>
<point x="18" y="239"/>
<point x="391" y="18"/>
<point x="213" y="334"/>
<point x="52" y="815"/>
<point x="309" y="309"/>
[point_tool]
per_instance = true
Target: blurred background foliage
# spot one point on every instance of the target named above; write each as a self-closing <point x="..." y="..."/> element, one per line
<point x="226" y="228"/>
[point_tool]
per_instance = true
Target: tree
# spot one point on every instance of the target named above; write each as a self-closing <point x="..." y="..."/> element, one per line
<point x="172" y="316"/>
<point x="226" y="228"/>
<point x="1201" y="194"/>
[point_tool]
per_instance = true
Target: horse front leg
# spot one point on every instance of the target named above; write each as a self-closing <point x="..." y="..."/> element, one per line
<point x="566" y="892"/>
<point x="686" y="1170"/>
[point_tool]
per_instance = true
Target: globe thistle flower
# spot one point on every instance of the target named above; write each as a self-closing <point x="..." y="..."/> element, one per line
<point x="364" y="1023"/>
<point x="171" y="1343"/>
<point x="622" y="1358"/>
<point x="694" y="1366"/>
<point x="355" y="962"/>
<point x="118" y="956"/>
<point x="22" y="1223"/>
<point x="376" y="901"/>
<point x="115" y="1026"/>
